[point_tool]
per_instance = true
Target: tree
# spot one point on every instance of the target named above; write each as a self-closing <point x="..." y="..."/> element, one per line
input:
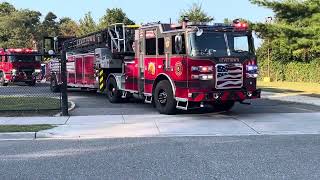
<point x="87" y="25"/>
<point x="18" y="28"/>
<point x="50" y="26"/>
<point x="6" y="8"/>
<point x="115" y="15"/>
<point x="295" y="28"/>
<point x="68" y="27"/>
<point x="196" y="14"/>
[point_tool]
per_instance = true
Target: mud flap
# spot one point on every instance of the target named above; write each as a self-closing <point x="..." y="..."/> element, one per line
<point x="102" y="81"/>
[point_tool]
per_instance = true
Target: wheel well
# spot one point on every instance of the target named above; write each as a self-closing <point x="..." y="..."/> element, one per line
<point x="162" y="77"/>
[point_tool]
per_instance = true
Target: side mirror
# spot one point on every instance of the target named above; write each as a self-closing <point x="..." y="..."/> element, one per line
<point x="199" y="32"/>
<point x="51" y="52"/>
<point x="178" y="44"/>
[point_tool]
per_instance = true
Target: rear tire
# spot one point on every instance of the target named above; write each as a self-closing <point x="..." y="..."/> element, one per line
<point x="224" y="106"/>
<point x="164" y="99"/>
<point x="54" y="87"/>
<point x="113" y="93"/>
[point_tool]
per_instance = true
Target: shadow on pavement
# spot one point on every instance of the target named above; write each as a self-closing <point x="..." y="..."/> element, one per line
<point x="275" y="90"/>
<point x="92" y="103"/>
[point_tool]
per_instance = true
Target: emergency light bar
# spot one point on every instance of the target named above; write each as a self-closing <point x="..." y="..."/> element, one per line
<point x="21" y="50"/>
<point x="240" y="25"/>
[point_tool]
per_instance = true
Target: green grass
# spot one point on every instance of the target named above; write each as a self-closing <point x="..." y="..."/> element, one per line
<point x="24" y="128"/>
<point x="291" y="87"/>
<point x="8" y="103"/>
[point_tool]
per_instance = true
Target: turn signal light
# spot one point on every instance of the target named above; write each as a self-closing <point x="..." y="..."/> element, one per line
<point x="203" y="77"/>
<point x="203" y="69"/>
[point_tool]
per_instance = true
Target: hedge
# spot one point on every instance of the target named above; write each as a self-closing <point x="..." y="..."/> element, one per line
<point x="291" y="71"/>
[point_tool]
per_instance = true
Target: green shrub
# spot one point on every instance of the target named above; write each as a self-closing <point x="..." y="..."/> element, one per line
<point x="291" y="71"/>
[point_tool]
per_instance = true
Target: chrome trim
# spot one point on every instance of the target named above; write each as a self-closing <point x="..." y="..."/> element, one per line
<point x="171" y="82"/>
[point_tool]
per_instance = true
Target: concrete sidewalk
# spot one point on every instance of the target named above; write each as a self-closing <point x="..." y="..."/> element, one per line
<point x="115" y="126"/>
<point x="112" y="126"/>
<point x="118" y="126"/>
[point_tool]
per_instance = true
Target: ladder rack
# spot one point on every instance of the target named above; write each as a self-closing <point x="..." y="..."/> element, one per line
<point x="117" y="37"/>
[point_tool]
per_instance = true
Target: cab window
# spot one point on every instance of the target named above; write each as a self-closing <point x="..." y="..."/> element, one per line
<point x="183" y="50"/>
<point x="161" y="46"/>
<point x="151" y="42"/>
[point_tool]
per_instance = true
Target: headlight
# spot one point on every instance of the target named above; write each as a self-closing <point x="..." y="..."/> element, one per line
<point x="37" y="70"/>
<point x="14" y="71"/>
<point x="252" y="71"/>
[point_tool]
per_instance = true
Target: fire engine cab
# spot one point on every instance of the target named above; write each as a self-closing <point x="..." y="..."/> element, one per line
<point x="171" y="66"/>
<point x="19" y="65"/>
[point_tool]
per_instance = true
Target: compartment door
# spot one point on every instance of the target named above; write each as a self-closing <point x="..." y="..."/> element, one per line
<point x="88" y="70"/>
<point x="79" y="70"/>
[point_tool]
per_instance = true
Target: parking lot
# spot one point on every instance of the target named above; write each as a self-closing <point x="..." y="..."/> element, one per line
<point x="90" y="103"/>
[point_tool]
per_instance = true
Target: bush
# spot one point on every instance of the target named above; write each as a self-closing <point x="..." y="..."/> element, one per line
<point x="291" y="71"/>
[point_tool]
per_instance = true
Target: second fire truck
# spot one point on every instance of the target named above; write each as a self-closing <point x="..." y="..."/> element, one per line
<point x="171" y="66"/>
<point x="19" y="65"/>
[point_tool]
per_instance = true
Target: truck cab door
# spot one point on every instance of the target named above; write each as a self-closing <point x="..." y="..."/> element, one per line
<point x="141" y="56"/>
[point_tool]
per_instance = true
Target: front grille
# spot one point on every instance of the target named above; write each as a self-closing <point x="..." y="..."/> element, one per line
<point x="28" y="72"/>
<point x="229" y="76"/>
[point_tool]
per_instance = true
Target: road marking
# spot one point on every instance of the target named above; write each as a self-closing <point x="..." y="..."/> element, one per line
<point x="303" y="109"/>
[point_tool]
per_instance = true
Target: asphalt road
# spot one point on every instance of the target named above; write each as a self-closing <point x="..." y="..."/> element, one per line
<point x="90" y="103"/>
<point x="249" y="157"/>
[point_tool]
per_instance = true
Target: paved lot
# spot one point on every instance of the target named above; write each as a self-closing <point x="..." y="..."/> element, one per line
<point x="90" y="103"/>
<point x="251" y="157"/>
<point x="24" y="90"/>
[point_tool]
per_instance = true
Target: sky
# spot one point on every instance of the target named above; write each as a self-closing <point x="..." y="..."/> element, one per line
<point x="144" y="11"/>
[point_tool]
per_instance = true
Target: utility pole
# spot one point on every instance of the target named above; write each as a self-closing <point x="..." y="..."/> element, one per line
<point x="64" y="93"/>
<point x="269" y="21"/>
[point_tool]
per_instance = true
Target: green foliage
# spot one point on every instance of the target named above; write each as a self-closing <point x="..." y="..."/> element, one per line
<point x="115" y="15"/>
<point x="50" y="26"/>
<point x="22" y="28"/>
<point x="296" y="24"/>
<point x="6" y="9"/>
<point x="68" y="27"/>
<point x="18" y="28"/>
<point x="196" y="14"/>
<point x="291" y="71"/>
<point x="87" y="25"/>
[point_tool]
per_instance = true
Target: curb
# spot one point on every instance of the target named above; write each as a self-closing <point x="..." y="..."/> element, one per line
<point x="72" y="107"/>
<point x="280" y="96"/>
<point x="18" y="136"/>
<point x="44" y="135"/>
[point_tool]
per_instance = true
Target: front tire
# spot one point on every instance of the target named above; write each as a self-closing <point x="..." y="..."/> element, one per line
<point x="164" y="99"/>
<point x="113" y="93"/>
<point x="2" y="82"/>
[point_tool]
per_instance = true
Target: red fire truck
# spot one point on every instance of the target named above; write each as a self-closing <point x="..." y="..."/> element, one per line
<point x="19" y="65"/>
<point x="171" y="66"/>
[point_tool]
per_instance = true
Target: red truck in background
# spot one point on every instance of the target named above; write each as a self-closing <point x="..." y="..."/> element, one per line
<point x="181" y="66"/>
<point x="19" y="65"/>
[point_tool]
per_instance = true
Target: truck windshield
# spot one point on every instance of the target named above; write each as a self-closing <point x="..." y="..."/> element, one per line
<point x="24" y="58"/>
<point x="219" y="44"/>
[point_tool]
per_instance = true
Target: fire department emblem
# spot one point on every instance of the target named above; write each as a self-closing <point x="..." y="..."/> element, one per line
<point x="167" y="42"/>
<point x="178" y="68"/>
<point x="152" y="68"/>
